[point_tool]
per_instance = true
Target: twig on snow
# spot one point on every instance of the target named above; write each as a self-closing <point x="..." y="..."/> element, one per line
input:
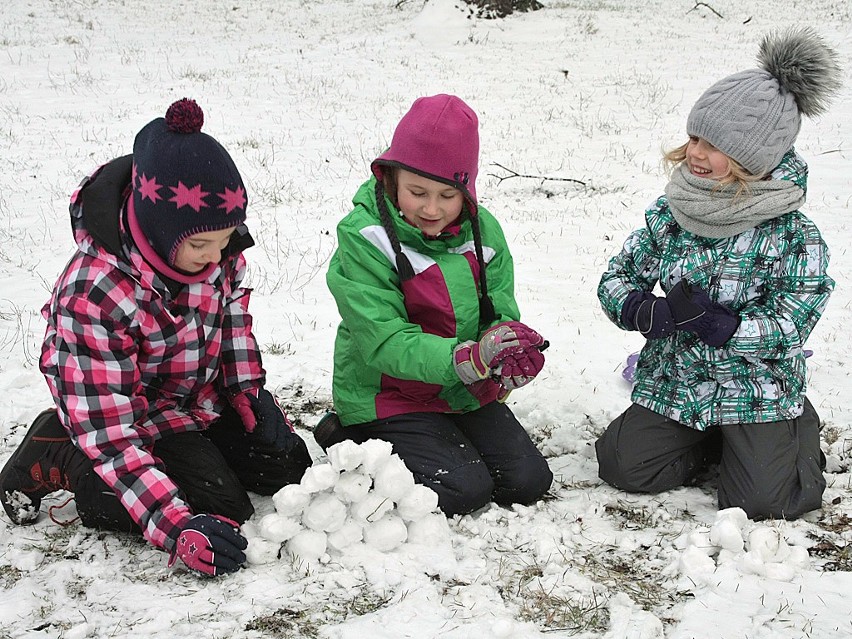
<point x="514" y="174"/>
<point x="704" y="4"/>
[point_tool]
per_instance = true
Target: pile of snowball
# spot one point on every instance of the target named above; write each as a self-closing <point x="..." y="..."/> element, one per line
<point x="364" y="494"/>
<point x="753" y="549"/>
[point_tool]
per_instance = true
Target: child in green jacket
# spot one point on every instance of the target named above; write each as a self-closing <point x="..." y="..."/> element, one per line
<point x="430" y="338"/>
<point x="722" y="375"/>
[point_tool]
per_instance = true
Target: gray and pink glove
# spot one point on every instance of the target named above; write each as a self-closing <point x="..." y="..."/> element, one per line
<point x="511" y="343"/>
<point x="264" y="419"/>
<point x="519" y="370"/>
<point x="211" y="545"/>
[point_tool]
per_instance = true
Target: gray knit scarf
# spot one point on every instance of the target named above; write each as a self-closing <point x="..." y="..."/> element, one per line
<point x="702" y="208"/>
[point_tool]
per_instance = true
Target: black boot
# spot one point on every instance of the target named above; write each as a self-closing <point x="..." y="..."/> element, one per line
<point x="45" y="462"/>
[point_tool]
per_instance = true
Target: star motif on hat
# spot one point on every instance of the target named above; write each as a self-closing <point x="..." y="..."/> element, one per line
<point x="193" y="198"/>
<point x="231" y="200"/>
<point x="148" y="188"/>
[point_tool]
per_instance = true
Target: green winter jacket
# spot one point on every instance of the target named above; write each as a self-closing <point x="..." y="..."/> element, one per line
<point x="773" y="276"/>
<point x="394" y="348"/>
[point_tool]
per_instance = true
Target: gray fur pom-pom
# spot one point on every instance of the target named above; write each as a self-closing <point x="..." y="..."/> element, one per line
<point x="804" y="65"/>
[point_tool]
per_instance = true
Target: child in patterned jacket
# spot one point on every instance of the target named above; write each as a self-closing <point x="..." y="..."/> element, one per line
<point x="430" y="336"/>
<point x="162" y="420"/>
<point x="722" y="374"/>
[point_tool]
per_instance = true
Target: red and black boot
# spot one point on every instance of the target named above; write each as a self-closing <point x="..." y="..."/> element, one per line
<point x="39" y="466"/>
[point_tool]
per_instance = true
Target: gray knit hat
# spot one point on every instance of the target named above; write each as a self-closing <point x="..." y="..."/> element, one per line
<point x="754" y="116"/>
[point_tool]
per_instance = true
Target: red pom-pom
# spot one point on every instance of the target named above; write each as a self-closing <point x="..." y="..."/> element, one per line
<point x="185" y="116"/>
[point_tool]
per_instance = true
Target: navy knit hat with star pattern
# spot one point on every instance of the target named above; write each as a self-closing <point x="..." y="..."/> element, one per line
<point x="184" y="181"/>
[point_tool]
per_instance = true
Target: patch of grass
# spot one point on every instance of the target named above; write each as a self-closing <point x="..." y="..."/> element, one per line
<point x="78" y="588"/>
<point x="838" y="557"/>
<point x="563" y="614"/>
<point x="284" y="623"/>
<point x="277" y="348"/>
<point x="551" y="611"/>
<point x="830" y="434"/>
<point x="635" y="578"/>
<point x="836" y="523"/>
<point x="9" y="576"/>
<point x="575" y="484"/>
<point x="58" y="542"/>
<point x="299" y="405"/>
<point x="633" y="517"/>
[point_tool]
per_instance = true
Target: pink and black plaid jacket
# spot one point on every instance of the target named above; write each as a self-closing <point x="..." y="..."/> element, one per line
<point x="127" y="362"/>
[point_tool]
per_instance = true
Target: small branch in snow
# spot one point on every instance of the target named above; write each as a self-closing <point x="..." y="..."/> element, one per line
<point x="513" y="174"/>
<point x="704" y="4"/>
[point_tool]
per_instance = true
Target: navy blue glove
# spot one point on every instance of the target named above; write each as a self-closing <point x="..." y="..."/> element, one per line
<point x="648" y="314"/>
<point x="264" y="419"/>
<point x="694" y="311"/>
<point x="211" y="545"/>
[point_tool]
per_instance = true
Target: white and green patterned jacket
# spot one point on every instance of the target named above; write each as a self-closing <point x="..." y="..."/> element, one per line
<point x="773" y="276"/>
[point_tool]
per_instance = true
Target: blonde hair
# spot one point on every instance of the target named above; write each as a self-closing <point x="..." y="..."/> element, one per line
<point x="737" y="174"/>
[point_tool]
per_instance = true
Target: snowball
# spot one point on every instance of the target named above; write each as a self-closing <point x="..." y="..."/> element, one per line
<point x="277" y="528"/>
<point x="419" y="502"/>
<point x="727" y="534"/>
<point x="504" y="629"/>
<point x="249" y="530"/>
<point x="319" y="477"/>
<point x="353" y="486"/>
<point x="291" y="499"/>
<point x="376" y="451"/>
<point x="372" y="508"/>
<point x="429" y="530"/>
<point x="780" y="571"/>
<point x="326" y="512"/>
<point x="626" y="619"/>
<point x="767" y="544"/>
<point x="695" y="564"/>
<point x="385" y="534"/>
<point x="700" y="539"/>
<point x="347" y="455"/>
<point x="736" y="515"/>
<point x="307" y="544"/>
<point x="80" y="631"/>
<point x="262" y="551"/>
<point x="751" y="564"/>
<point x="350" y="533"/>
<point x="799" y="557"/>
<point x="393" y="479"/>
<point x="26" y="561"/>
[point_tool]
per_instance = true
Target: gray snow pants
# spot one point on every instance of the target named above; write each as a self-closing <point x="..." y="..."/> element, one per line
<point x="770" y="470"/>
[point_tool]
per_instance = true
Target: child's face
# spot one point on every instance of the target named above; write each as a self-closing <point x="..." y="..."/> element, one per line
<point x="427" y="204"/>
<point x="199" y="250"/>
<point x="705" y="160"/>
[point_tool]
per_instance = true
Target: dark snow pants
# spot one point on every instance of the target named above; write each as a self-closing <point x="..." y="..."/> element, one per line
<point x="213" y="470"/>
<point x="469" y="459"/>
<point x="770" y="470"/>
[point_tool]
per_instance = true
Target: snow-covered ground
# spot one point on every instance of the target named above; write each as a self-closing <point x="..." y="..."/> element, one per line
<point x="304" y="95"/>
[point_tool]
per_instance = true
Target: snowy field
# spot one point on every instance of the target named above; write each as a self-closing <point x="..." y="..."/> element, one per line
<point x="575" y="103"/>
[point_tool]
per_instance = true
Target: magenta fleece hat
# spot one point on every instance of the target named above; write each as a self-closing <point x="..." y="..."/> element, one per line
<point x="439" y="139"/>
